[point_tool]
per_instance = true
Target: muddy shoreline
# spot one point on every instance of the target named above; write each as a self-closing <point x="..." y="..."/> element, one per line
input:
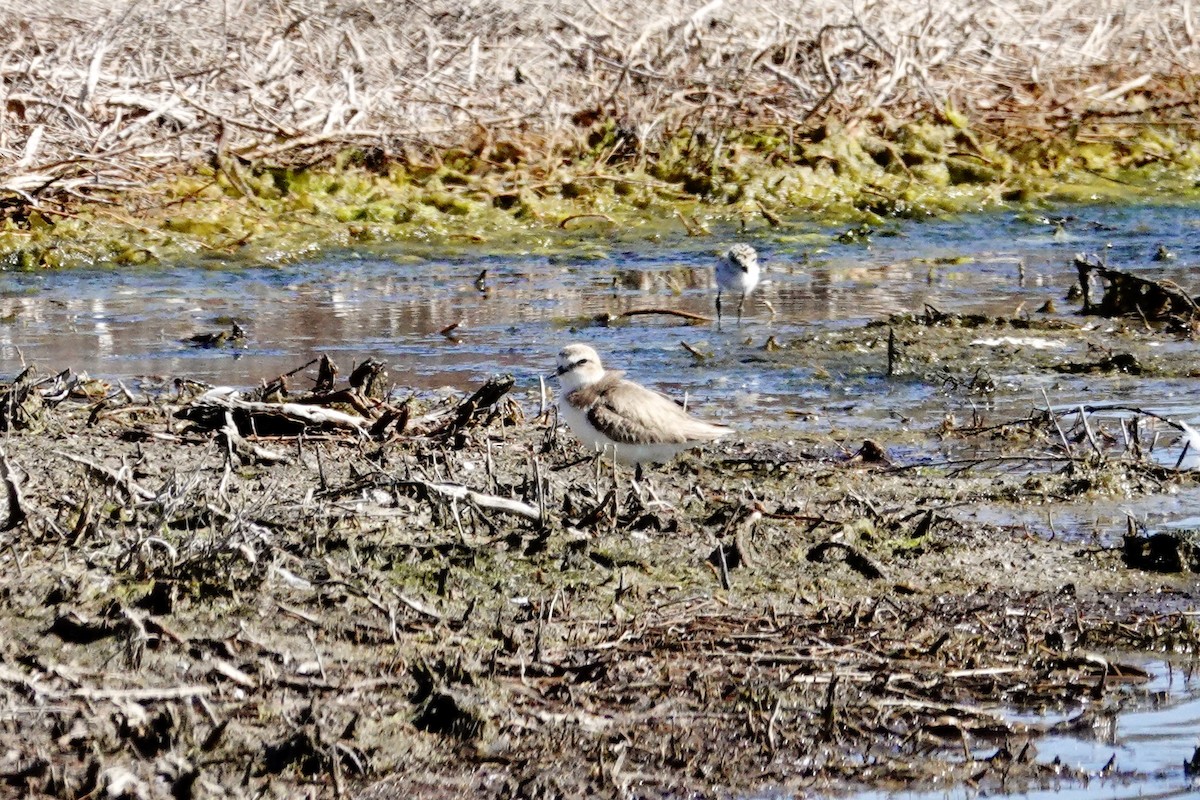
<point x="437" y="600"/>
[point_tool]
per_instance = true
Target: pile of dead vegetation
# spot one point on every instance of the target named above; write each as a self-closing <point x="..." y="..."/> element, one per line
<point x="333" y="591"/>
<point x="102" y="96"/>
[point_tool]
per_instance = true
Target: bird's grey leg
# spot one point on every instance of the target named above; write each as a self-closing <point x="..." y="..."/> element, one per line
<point x="643" y="486"/>
<point x="616" y="509"/>
<point x="718" y="309"/>
<point x="741" y="303"/>
<point x="599" y="461"/>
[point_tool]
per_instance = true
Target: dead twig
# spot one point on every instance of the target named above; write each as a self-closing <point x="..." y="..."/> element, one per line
<point x="670" y="312"/>
<point x="456" y="491"/>
<point x="117" y="479"/>
<point x="573" y="217"/>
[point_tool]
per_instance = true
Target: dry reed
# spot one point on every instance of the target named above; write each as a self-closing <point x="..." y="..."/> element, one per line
<point x="100" y="94"/>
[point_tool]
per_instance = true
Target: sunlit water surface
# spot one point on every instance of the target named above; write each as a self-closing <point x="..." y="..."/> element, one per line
<point x="128" y="322"/>
<point x="1136" y="753"/>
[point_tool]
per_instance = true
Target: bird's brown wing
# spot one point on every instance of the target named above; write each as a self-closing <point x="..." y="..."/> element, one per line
<point x="631" y="414"/>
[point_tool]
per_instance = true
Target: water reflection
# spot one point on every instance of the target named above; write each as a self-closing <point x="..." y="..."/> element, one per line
<point x="388" y="305"/>
<point x="1147" y="739"/>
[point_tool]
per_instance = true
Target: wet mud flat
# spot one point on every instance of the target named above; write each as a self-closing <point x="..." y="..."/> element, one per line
<point x="322" y="589"/>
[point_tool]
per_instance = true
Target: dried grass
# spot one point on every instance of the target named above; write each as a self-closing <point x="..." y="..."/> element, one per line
<point x="103" y="94"/>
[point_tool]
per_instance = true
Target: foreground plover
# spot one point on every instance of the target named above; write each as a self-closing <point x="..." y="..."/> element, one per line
<point x="737" y="273"/>
<point x="630" y="422"/>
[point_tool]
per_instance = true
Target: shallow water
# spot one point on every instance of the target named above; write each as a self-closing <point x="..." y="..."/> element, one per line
<point x="1156" y="730"/>
<point x="130" y="322"/>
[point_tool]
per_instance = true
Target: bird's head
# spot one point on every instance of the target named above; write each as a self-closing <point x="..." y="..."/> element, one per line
<point x="578" y="365"/>
<point x="744" y="257"/>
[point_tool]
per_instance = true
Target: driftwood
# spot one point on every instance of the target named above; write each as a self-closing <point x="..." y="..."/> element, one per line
<point x="670" y="312"/>
<point x="267" y="414"/>
<point x="456" y="491"/>
<point x="122" y="480"/>
<point x="235" y="417"/>
<point x="1126" y="294"/>
<point x="326" y="371"/>
<point x="481" y="401"/>
<point x="251" y="418"/>
<point x="606" y="318"/>
<point x="244" y="450"/>
<point x="23" y="401"/>
<point x="366" y="386"/>
<point x="572" y="217"/>
<point x="351" y="397"/>
<point x="139" y="695"/>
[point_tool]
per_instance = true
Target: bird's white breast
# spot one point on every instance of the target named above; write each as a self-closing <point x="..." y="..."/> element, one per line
<point x="733" y="278"/>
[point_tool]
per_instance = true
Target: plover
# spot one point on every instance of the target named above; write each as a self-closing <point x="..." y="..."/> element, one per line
<point x="737" y="272"/>
<point x="634" y="424"/>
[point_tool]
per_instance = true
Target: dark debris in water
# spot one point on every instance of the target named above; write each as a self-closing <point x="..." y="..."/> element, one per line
<point x="1175" y="551"/>
<point x="1118" y="362"/>
<point x="462" y="599"/>
<point x="1127" y="294"/>
<point x="235" y="336"/>
<point x="933" y="317"/>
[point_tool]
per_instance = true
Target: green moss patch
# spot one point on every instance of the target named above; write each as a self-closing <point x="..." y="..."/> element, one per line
<point x="508" y="197"/>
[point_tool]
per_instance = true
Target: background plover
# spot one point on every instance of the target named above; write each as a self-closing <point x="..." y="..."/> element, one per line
<point x="737" y="273"/>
